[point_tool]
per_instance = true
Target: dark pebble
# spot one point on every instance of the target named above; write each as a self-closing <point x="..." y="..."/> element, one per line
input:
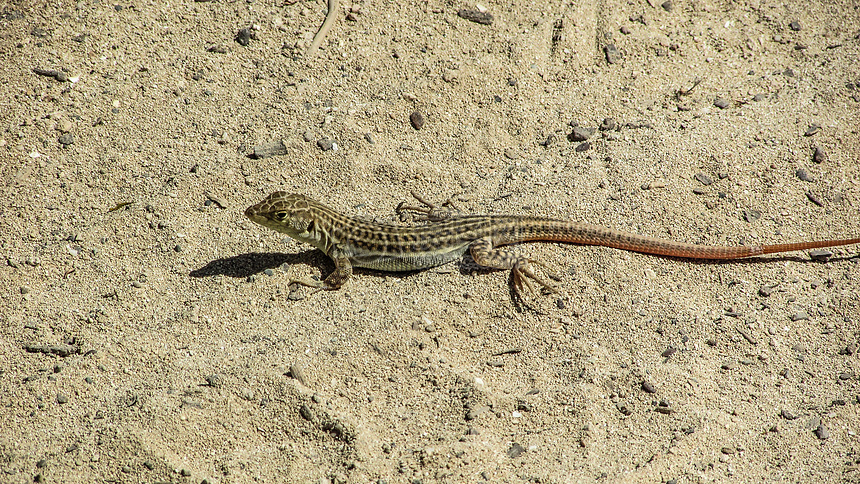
<point x="214" y="380"/>
<point x="269" y="272"/>
<point x="703" y="179"/>
<point x="126" y="469"/>
<point x="417" y="120"/>
<point x="515" y="450"/>
<point x="66" y="139"/>
<point x="42" y="463"/>
<point x="788" y="72"/>
<point x="243" y="37"/>
<point x="848" y="375"/>
<point x="306" y="413"/>
<point x="648" y="387"/>
<point x="483" y="18"/>
<point x="580" y="133"/>
<point x="727" y="450"/>
<point x="665" y="410"/>
<point x="818" y="156"/>
<point x="218" y="49"/>
<point x="822" y="433"/>
<point x="813" y="129"/>
<point x="38" y="478"/>
<point x="821" y="254"/>
<point x="667" y="5"/>
<point x="787" y="415"/>
<point x="149" y="465"/>
<point x="582" y="147"/>
<point x="802" y="174"/>
<point x="608" y="124"/>
<point x="759" y="97"/>
<point x="61" y="399"/>
<point x="58" y="75"/>
<point x="185" y="473"/>
<point x="751" y="215"/>
<point x="795" y="26"/>
<point x="765" y="291"/>
<point x="612" y="54"/>
<point x="325" y="144"/>
<point x="849" y="350"/>
<point x="369" y="138"/>
<point x="814" y="199"/>
<point x="625" y="410"/>
<point x="496" y="363"/>
<point x="721" y="103"/>
<point x="668" y="352"/>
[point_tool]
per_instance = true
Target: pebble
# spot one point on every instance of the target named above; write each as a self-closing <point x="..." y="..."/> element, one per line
<point x="270" y="149"/>
<point x="818" y="156"/>
<point x="126" y="469"/>
<point x="759" y="97"/>
<point x="821" y="254"/>
<point x="512" y="154"/>
<point x="751" y="215"/>
<point x="648" y="387"/>
<point x="822" y="433"/>
<point x="787" y="415"/>
<point x="214" y="380"/>
<point x="795" y="26"/>
<point x="476" y="412"/>
<point x="369" y="138"/>
<point x="799" y="316"/>
<point x="608" y="124"/>
<point x="67" y="139"/>
<point x="61" y="399"/>
<point x="325" y="144"/>
<point x="765" y="291"/>
<point x="297" y="372"/>
<point x="515" y="450"/>
<point x="729" y="365"/>
<point x="580" y="133"/>
<point x="64" y="125"/>
<point x="813" y="129"/>
<point x="721" y="103"/>
<point x="668" y="352"/>
<point x="612" y="54"/>
<point x="703" y="179"/>
<point x="802" y="174"/>
<point x="148" y="464"/>
<point x="585" y="146"/>
<point x="727" y="450"/>
<point x="243" y="37"/>
<point x="417" y="119"/>
<point x="667" y="5"/>
<point x="848" y="375"/>
<point x="483" y="18"/>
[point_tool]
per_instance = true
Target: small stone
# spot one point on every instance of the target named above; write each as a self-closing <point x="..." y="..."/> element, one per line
<point x="703" y="179"/>
<point x="668" y="352"/>
<point x="64" y="125"/>
<point x="515" y="450"/>
<point x="847" y="375"/>
<point x="417" y="119"/>
<point x="450" y="75"/>
<point x="369" y="138"/>
<point x="802" y="174"/>
<point x="728" y="365"/>
<point x="822" y="433"/>
<point x="813" y="129"/>
<point x="298" y="372"/>
<point x="243" y="37"/>
<point x="818" y="156"/>
<point x="795" y="26"/>
<point x="648" y="387"/>
<point x="612" y="54"/>
<point x="476" y="412"/>
<point x="608" y="124"/>
<point x="185" y="473"/>
<point x="126" y="469"/>
<point x="66" y="139"/>
<point x="759" y="97"/>
<point x="721" y="103"/>
<point x="821" y="254"/>
<point x="580" y="133"/>
<point x="61" y="399"/>
<point x="42" y="463"/>
<point x="799" y="316"/>
<point x="765" y="291"/>
<point x="667" y="5"/>
<point x="214" y="380"/>
<point x="787" y="415"/>
<point x="582" y="147"/>
<point x="484" y="18"/>
<point x="751" y="215"/>
<point x="308" y="136"/>
<point x="325" y="144"/>
<point x="512" y="154"/>
<point x="727" y="450"/>
<point x="149" y="465"/>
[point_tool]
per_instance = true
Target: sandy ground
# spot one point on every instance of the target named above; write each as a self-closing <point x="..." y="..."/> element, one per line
<point x="148" y="332"/>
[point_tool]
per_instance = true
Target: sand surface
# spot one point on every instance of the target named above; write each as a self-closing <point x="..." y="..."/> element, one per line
<point x="148" y="332"/>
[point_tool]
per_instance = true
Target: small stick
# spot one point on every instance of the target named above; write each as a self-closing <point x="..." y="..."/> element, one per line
<point x="324" y="28"/>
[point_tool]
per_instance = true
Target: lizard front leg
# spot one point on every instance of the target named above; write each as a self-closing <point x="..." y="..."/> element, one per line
<point x="342" y="272"/>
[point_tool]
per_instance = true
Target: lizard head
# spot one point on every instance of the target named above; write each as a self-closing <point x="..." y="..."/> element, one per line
<point x="288" y="213"/>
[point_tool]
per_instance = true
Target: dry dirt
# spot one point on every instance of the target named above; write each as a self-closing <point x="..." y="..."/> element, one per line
<point x="173" y="356"/>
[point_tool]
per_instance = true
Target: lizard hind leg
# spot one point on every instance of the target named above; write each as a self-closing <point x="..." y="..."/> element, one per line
<point x="522" y="275"/>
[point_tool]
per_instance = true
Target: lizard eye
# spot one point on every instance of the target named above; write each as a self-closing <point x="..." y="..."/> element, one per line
<point x="281" y="215"/>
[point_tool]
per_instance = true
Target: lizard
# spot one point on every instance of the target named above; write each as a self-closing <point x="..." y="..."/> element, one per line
<point x="353" y="242"/>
